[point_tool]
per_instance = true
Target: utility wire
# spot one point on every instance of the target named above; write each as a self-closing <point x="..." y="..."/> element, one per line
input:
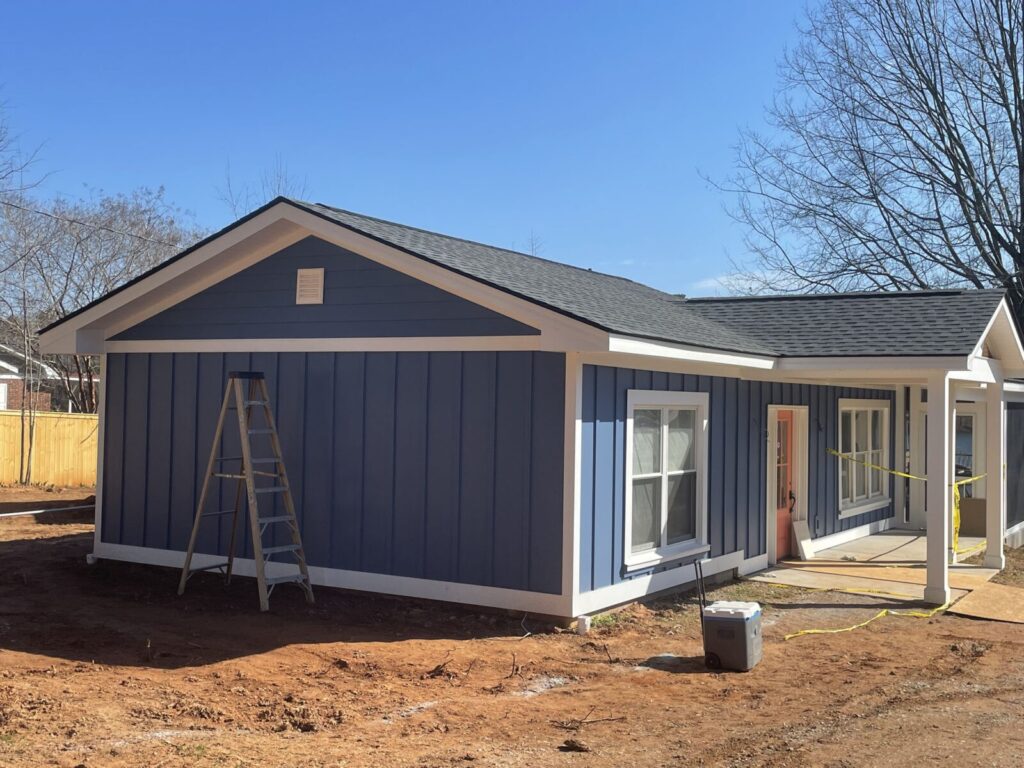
<point x="101" y="227"/>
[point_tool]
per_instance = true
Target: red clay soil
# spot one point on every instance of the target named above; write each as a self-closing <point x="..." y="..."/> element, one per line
<point x="105" y="666"/>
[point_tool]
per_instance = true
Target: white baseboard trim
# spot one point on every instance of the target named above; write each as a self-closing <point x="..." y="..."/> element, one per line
<point x="1015" y="536"/>
<point x="753" y="565"/>
<point x="642" y="586"/>
<point x="843" y="537"/>
<point x="403" y="586"/>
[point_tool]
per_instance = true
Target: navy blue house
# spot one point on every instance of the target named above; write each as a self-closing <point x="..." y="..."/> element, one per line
<point x="471" y="424"/>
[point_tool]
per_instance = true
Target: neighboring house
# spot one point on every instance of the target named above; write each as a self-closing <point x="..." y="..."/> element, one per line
<point x="13" y="368"/>
<point x="467" y="423"/>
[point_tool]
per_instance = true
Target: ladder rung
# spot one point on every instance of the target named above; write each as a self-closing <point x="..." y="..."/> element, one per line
<point x="261" y="431"/>
<point x="255" y="402"/>
<point x="209" y="567"/>
<point x="272" y="489"/>
<point x="274" y="519"/>
<point x="228" y="458"/>
<point x="285" y="579"/>
<point x="281" y="548"/>
<point x="220" y="513"/>
<point x="234" y="475"/>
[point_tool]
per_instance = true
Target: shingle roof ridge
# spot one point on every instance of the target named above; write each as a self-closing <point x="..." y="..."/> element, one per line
<point x="842" y="295"/>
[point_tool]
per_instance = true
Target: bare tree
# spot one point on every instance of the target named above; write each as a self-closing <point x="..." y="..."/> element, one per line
<point x="73" y="252"/>
<point x="896" y="161"/>
<point x="241" y="198"/>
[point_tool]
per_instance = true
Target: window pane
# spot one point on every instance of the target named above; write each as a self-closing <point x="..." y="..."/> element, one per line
<point x="680" y="440"/>
<point x="847" y="432"/>
<point x="646" y="521"/>
<point x="964" y="445"/>
<point x="876" y="429"/>
<point x="877" y="477"/>
<point x="682" y="507"/>
<point x="844" y="473"/>
<point x="646" y="441"/>
<point x="860" y="478"/>
<point x="860" y="440"/>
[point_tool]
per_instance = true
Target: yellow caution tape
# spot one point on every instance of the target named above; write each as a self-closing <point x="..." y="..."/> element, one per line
<point x="884" y="612"/>
<point x="956" y="494"/>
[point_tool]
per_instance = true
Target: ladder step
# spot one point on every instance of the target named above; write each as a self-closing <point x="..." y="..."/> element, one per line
<point x="228" y="475"/>
<point x="282" y="548"/>
<point x="213" y="567"/>
<point x="221" y="513"/>
<point x="284" y="579"/>
<point x="255" y="402"/>
<point x="272" y="489"/>
<point x="274" y="519"/>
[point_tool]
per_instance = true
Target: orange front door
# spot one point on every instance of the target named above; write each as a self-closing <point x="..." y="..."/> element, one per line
<point x="784" y="498"/>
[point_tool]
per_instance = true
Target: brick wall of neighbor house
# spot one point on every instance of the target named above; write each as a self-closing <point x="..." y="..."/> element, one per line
<point x="16" y="395"/>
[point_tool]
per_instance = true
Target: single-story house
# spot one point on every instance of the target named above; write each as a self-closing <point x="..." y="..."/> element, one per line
<point x="466" y="423"/>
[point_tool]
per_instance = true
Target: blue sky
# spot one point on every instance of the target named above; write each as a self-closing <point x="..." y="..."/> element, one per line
<point x="585" y="123"/>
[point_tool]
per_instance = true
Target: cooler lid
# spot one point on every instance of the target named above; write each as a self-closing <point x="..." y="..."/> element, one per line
<point x="733" y="609"/>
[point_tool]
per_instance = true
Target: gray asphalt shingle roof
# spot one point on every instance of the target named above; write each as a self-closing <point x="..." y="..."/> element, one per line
<point x="883" y="324"/>
<point x="829" y="325"/>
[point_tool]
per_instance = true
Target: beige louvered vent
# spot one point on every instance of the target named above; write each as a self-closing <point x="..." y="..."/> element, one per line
<point x="309" y="286"/>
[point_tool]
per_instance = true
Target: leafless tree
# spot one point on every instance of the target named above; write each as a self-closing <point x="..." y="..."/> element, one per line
<point x="896" y="157"/>
<point x="73" y="252"/>
<point x="278" y="180"/>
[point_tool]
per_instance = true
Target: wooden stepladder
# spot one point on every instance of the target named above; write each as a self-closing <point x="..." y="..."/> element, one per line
<point x="246" y="393"/>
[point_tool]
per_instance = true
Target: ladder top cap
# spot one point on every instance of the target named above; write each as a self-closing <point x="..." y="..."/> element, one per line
<point x="245" y="375"/>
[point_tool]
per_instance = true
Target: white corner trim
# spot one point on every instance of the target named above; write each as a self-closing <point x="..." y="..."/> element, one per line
<point x="642" y="586"/>
<point x="101" y="430"/>
<point x="571" y="477"/>
<point x="844" y="537"/>
<point x="404" y="586"/>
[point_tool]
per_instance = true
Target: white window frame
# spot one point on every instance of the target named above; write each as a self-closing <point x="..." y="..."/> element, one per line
<point x="3" y="395"/>
<point x="851" y="507"/>
<point x="697" y="401"/>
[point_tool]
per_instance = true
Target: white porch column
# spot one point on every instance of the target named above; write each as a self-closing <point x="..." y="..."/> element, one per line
<point x="995" y="487"/>
<point x="939" y="491"/>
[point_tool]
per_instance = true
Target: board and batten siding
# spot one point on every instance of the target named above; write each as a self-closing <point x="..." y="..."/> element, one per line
<point x="435" y="465"/>
<point x="362" y="299"/>
<point x="1015" y="464"/>
<point x="736" y="468"/>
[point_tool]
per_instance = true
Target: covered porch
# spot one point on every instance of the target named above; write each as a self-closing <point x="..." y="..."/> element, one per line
<point x="949" y="439"/>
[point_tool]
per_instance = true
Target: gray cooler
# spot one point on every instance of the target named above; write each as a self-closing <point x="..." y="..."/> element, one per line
<point x="732" y="635"/>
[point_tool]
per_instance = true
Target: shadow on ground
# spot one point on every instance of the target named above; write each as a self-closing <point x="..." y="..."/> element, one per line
<point x="54" y="604"/>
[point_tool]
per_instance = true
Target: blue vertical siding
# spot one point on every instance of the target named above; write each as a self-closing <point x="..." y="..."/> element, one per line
<point x="361" y="299"/>
<point x="736" y="472"/>
<point x="435" y="465"/>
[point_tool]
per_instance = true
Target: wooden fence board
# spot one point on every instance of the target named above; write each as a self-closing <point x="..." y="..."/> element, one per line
<point x="64" y="452"/>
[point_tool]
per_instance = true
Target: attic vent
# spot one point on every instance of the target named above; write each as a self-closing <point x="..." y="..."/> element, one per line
<point x="309" y="286"/>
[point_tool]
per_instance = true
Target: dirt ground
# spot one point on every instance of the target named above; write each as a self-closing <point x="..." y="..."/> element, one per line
<point x="105" y="666"/>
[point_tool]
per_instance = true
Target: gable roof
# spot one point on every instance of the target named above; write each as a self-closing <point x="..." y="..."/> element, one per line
<point x="876" y="324"/>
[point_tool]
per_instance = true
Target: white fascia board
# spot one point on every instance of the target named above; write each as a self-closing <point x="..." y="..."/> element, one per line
<point x="63" y="338"/>
<point x="559" y="332"/>
<point x="1001" y="333"/>
<point x="868" y="368"/>
<point x="628" y="345"/>
<point x="269" y="232"/>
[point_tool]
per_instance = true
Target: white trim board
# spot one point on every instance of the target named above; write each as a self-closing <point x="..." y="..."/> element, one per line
<point x="844" y="537"/>
<point x="403" y="586"/>
<point x="1014" y="536"/>
<point x="644" y="586"/>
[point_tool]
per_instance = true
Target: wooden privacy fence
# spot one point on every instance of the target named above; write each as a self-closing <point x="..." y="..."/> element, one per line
<point x="64" y="452"/>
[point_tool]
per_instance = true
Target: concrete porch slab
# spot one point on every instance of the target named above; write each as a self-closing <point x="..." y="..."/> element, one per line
<point x="809" y="579"/>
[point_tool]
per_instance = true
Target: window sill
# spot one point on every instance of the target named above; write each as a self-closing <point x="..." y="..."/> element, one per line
<point x="864" y="508"/>
<point x="668" y="555"/>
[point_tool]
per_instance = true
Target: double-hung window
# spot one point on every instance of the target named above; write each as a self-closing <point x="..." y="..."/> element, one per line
<point x="863" y="440"/>
<point x="666" y="486"/>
